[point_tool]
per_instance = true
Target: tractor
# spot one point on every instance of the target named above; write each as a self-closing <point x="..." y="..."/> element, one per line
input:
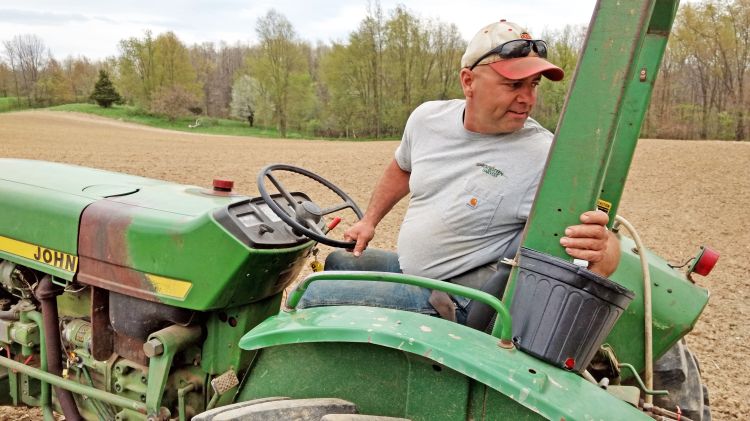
<point x="128" y="298"/>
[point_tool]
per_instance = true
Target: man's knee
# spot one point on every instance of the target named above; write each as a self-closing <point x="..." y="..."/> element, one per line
<point x="371" y="260"/>
<point x="339" y="260"/>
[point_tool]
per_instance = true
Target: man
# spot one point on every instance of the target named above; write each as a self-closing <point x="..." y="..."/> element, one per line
<point x="473" y="167"/>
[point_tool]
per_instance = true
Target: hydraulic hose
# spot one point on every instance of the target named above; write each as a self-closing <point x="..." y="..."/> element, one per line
<point x="47" y="294"/>
<point x="647" y="316"/>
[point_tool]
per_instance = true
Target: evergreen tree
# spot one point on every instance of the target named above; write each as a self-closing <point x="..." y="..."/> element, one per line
<point x="104" y="91"/>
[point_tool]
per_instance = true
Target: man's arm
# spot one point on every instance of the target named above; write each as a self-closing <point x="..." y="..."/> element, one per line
<point x="593" y="242"/>
<point x="392" y="187"/>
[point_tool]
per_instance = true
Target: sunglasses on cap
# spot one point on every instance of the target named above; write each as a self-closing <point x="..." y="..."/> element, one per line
<point x="515" y="49"/>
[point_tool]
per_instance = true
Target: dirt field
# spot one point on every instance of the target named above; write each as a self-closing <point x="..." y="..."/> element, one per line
<point x="680" y="195"/>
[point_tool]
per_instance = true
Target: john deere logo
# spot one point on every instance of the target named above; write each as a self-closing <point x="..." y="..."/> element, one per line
<point x="490" y="170"/>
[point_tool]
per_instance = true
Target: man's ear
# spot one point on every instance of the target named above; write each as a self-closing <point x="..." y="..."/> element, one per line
<point x="467" y="82"/>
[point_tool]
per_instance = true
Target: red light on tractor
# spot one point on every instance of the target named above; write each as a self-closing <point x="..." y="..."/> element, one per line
<point x="223" y="185"/>
<point x="705" y="261"/>
<point x="570" y="363"/>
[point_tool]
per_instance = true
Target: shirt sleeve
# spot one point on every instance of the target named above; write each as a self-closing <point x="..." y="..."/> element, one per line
<point x="403" y="152"/>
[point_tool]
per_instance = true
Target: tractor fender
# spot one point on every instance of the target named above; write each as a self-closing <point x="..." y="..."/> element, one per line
<point x="547" y="390"/>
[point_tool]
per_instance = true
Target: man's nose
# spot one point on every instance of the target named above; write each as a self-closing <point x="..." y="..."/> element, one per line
<point x="527" y="94"/>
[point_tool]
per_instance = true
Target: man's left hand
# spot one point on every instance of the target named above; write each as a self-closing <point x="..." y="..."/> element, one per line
<point x="592" y="241"/>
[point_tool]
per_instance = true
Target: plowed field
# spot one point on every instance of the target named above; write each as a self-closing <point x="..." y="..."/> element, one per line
<point x="680" y="194"/>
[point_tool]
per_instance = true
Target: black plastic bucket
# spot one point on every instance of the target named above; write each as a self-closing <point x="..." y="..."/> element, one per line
<point x="562" y="312"/>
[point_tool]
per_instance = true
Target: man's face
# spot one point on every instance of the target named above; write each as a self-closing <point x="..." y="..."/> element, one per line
<point x="496" y="104"/>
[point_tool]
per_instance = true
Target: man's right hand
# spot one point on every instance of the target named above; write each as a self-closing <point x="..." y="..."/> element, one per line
<point x="361" y="232"/>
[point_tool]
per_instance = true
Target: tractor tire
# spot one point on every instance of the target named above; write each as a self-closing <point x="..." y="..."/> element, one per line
<point x="282" y="409"/>
<point x="678" y="372"/>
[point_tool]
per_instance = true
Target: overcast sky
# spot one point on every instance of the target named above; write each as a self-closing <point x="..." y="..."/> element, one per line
<point x="93" y="28"/>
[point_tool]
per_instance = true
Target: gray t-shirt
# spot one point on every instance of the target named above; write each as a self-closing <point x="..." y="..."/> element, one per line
<point x="470" y="192"/>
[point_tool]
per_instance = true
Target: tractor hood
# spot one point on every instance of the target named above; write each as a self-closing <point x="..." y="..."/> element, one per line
<point x="151" y="239"/>
<point x="92" y="184"/>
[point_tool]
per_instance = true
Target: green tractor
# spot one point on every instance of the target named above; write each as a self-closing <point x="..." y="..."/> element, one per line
<point x="135" y="298"/>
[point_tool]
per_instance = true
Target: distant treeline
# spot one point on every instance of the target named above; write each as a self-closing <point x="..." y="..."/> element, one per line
<point x="368" y="85"/>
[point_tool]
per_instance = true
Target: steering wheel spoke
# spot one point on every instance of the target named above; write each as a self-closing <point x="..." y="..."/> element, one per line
<point x="314" y="227"/>
<point x="306" y="215"/>
<point x="336" y="208"/>
<point x="284" y="192"/>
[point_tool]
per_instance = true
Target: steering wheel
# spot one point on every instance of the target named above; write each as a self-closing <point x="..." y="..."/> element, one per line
<point x="304" y="215"/>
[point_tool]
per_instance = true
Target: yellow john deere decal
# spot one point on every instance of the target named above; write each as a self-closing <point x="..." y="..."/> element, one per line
<point x="603" y="205"/>
<point x="58" y="259"/>
<point x="169" y="287"/>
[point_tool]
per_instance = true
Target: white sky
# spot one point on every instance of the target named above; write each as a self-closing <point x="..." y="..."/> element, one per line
<point x="94" y="28"/>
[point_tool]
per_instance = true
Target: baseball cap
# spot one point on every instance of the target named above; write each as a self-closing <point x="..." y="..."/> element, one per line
<point x="519" y="65"/>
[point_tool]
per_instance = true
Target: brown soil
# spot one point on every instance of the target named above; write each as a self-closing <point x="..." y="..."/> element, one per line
<point x="680" y="194"/>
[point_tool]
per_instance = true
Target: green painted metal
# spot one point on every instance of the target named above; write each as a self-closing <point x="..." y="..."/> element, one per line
<point x="181" y="400"/>
<point x="225" y="328"/>
<point x="643" y="387"/>
<point x="539" y="387"/>
<point x="489" y="404"/>
<point x="44" y="396"/>
<point x="174" y="339"/>
<point x="103" y="410"/>
<point x="76" y="305"/>
<point x="635" y="103"/>
<point x="13" y="378"/>
<point x="128" y="381"/>
<point x="72" y="386"/>
<point x="223" y="272"/>
<point x="172" y="221"/>
<point x="677" y="304"/>
<point x="38" y="215"/>
<point x="186" y="391"/>
<point x="380" y="381"/>
<point x="580" y="153"/>
<point x="624" y="37"/>
<point x="27" y="334"/>
<point x="501" y="329"/>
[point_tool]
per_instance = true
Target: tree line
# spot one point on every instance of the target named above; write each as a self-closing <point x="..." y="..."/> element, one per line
<point x="366" y="86"/>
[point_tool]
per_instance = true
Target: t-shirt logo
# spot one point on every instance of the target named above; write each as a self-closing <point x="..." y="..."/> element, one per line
<point x="490" y="170"/>
<point x="473" y="203"/>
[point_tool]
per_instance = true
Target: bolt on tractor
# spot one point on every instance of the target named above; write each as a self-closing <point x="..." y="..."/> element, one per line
<point x="128" y="298"/>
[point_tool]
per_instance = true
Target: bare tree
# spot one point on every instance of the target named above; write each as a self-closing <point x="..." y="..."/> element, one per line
<point x="27" y="56"/>
<point x="229" y="61"/>
<point x="447" y="46"/>
<point x="6" y="79"/>
<point x="203" y="59"/>
<point x="728" y="33"/>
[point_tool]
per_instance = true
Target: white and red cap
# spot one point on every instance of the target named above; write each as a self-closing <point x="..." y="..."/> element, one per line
<point x="498" y="33"/>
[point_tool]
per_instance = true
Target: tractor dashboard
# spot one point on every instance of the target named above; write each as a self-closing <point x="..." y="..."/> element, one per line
<point x="254" y="223"/>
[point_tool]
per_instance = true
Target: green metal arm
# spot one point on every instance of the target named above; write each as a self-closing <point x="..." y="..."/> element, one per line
<point x="503" y="331"/>
<point x="643" y="387"/>
<point x="74" y="387"/>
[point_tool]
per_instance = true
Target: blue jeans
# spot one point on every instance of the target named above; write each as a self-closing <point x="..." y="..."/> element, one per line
<point x="372" y="293"/>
